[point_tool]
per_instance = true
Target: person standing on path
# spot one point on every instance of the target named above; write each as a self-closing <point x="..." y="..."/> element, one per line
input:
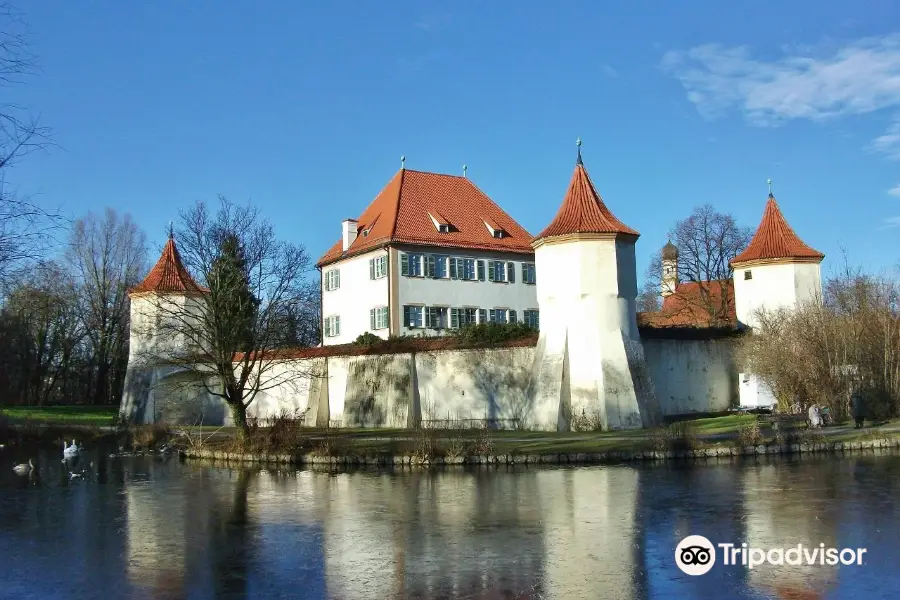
<point x="857" y="407"/>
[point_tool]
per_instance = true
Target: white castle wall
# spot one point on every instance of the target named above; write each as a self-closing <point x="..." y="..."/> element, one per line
<point x="432" y="387"/>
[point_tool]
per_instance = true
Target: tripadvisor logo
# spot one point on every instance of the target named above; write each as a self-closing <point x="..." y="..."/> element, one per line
<point x="696" y="555"/>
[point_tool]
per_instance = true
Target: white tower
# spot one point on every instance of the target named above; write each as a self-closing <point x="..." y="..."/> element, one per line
<point x="589" y="359"/>
<point x="164" y="294"/>
<point x="669" y="278"/>
<point x="777" y="270"/>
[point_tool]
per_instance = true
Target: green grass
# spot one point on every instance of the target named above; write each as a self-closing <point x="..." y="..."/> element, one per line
<point x="62" y="415"/>
<point x="727" y="424"/>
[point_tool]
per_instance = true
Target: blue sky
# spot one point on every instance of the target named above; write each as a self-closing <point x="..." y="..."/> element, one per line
<point x="306" y="108"/>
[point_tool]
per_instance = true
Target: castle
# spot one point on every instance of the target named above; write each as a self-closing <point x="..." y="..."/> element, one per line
<point x="433" y="253"/>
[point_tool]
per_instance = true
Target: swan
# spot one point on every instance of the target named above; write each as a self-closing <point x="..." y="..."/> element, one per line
<point x="70" y="451"/>
<point x="24" y="469"/>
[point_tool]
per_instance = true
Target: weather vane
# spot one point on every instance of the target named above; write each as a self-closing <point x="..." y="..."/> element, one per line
<point x="465" y="168"/>
<point x="769" y="181"/>
<point x="578" y="144"/>
<point x="402" y="162"/>
<point x="171" y="231"/>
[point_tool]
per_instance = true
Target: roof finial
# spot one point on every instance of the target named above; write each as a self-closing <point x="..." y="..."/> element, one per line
<point x="403" y="162"/>
<point x="171" y="231"/>
<point x="465" y="168"/>
<point x="769" y="181"/>
<point x="578" y="143"/>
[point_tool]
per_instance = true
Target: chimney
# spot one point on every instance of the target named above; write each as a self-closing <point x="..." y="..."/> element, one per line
<point x="348" y="232"/>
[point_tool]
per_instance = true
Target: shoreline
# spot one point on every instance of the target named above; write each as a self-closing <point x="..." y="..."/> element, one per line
<point x="580" y="458"/>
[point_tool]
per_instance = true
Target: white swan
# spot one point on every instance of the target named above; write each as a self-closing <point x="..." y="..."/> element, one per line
<point x="24" y="469"/>
<point x="70" y="451"/>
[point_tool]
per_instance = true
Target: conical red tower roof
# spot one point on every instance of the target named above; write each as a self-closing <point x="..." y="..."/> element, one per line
<point x="168" y="275"/>
<point x="583" y="210"/>
<point x="774" y="239"/>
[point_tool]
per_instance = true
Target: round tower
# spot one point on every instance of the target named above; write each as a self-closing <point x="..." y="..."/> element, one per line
<point x="161" y="298"/>
<point x="777" y="270"/>
<point x="589" y="359"/>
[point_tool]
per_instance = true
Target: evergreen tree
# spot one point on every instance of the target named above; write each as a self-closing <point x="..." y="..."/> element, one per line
<point x="235" y="305"/>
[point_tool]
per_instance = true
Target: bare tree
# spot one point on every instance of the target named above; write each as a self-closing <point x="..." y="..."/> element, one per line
<point x="818" y="351"/>
<point x="230" y="333"/>
<point x="24" y="226"/>
<point x="108" y="255"/>
<point x="707" y="240"/>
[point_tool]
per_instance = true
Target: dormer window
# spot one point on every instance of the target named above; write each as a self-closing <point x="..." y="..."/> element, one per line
<point x="440" y="223"/>
<point x="494" y="229"/>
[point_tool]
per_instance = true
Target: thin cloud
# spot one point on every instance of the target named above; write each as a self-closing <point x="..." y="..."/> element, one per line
<point x="609" y="71"/>
<point x="895" y="191"/>
<point x="859" y="78"/>
<point x="891" y="222"/>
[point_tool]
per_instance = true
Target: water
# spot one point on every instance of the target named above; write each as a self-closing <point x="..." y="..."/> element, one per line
<point x="144" y="528"/>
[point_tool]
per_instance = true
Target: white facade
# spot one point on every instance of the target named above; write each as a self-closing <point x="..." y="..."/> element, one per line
<point x="356" y="294"/>
<point x="424" y="291"/>
<point x="768" y="286"/>
<point x="589" y="357"/>
<point x="765" y="286"/>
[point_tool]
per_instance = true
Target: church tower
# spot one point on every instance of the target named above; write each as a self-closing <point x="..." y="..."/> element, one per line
<point x="669" y="275"/>
<point x="777" y="270"/>
<point x="589" y="359"/>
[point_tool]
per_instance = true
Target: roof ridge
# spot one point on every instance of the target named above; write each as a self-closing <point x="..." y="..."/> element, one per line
<point x="168" y="274"/>
<point x="396" y="204"/>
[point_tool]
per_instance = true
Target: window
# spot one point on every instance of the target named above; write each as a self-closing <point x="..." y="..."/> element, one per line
<point x="378" y="318"/>
<point x="482" y="315"/>
<point x="435" y="266"/>
<point x="412" y="316"/>
<point x="378" y="267"/>
<point x="528" y="273"/>
<point x="436" y="317"/>
<point x="532" y="319"/>
<point x="332" y="279"/>
<point x="443" y="228"/>
<point x="460" y="317"/>
<point x="748" y="275"/>
<point x="462" y="268"/>
<point x="493" y="315"/>
<point x="440" y="267"/>
<point x="496" y="270"/>
<point x="411" y="264"/>
<point x="332" y="326"/>
<point x="498" y="233"/>
<point x="511" y="316"/>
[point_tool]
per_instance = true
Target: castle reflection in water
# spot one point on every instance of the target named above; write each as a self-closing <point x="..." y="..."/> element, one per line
<point x="605" y="532"/>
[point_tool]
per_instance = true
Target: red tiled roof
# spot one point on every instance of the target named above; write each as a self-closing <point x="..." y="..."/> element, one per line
<point x="583" y="211"/>
<point x="168" y="275"/>
<point x="401" y="214"/>
<point x="691" y="306"/>
<point x="774" y="239"/>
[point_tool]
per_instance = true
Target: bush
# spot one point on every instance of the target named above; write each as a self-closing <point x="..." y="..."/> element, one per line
<point x="487" y="333"/>
<point x="283" y="433"/>
<point x="367" y="339"/>
<point x="749" y="434"/>
<point x="584" y="422"/>
<point x="677" y="437"/>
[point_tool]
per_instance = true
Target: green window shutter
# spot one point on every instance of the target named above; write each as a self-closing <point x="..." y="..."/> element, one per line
<point x="404" y="264"/>
<point x="490" y="270"/>
<point x="371" y="268"/>
<point x="453" y="268"/>
<point x="480" y="265"/>
<point x="482" y="315"/>
<point x="454" y="318"/>
<point x="372" y="319"/>
<point x="430" y="266"/>
<point x="406" y="316"/>
<point x="512" y="316"/>
<point x="337" y="276"/>
<point x="511" y="272"/>
<point x="337" y="326"/>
